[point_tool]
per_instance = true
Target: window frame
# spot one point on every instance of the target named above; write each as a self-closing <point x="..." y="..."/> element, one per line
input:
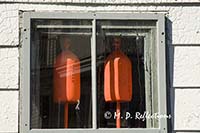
<point x="25" y="68"/>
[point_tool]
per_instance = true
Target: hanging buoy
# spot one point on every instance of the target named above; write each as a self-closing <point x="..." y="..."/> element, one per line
<point x="117" y="78"/>
<point x="66" y="79"/>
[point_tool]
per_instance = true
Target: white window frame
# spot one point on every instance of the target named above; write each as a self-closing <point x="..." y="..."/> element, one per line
<point x="25" y="68"/>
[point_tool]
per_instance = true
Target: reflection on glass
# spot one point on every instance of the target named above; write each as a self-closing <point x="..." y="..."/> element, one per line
<point x="125" y="74"/>
<point x="61" y="95"/>
<point x="61" y="74"/>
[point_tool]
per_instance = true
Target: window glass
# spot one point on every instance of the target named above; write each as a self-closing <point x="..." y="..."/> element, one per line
<point x="61" y="74"/>
<point x="126" y="76"/>
<point x="61" y="94"/>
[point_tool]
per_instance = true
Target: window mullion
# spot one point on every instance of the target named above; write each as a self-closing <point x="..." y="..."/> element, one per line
<point x="94" y="92"/>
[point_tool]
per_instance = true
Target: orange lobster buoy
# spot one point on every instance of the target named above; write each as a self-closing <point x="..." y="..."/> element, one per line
<point x="66" y="78"/>
<point x="117" y="78"/>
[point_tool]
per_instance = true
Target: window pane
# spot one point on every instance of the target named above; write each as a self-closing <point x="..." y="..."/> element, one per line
<point x="61" y="74"/>
<point x="126" y="74"/>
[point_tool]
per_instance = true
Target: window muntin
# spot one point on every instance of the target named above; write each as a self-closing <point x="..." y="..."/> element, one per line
<point x="159" y="19"/>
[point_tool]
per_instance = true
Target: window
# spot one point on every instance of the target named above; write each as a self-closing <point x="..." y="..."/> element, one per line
<point x="93" y="72"/>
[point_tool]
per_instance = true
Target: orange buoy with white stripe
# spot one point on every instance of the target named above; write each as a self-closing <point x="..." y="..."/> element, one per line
<point x="66" y="79"/>
<point x="117" y="78"/>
